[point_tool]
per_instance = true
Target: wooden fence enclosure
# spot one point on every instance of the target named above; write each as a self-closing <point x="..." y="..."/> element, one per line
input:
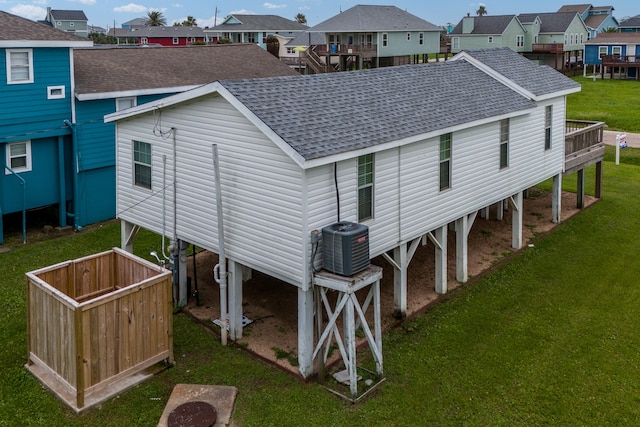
<point x="98" y="325"/>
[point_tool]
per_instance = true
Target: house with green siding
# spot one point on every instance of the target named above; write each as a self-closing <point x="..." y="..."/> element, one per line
<point x="478" y="32"/>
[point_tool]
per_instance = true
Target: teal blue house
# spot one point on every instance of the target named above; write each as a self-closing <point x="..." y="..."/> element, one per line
<point x="36" y="144"/>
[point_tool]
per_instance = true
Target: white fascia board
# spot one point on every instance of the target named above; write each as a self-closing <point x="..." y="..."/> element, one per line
<point x="558" y="94"/>
<point x="134" y="92"/>
<point x="164" y="102"/>
<point x="409" y="140"/>
<point x="494" y="74"/>
<point x="9" y="44"/>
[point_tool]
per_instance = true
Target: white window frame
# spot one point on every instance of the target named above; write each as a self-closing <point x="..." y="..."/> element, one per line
<point x="445" y="159"/>
<point x="367" y="186"/>
<point x="505" y="127"/>
<point x="28" y="164"/>
<point x="55" y="92"/>
<point x="144" y="40"/>
<point x="408" y="37"/>
<point x="490" y="39"/>
<point x="602" y="51"/>
<point x="10" y="65"/>
<point x="455" y="42"/>
<point x="385" y="39"/>
<point x="72" y="24"/>
<point x="519" y="40"/>
<point x="616" y="50"/>
<point x="120" y="103"/>
<point x="548" y="127"/>
<point x="140" y="163"/>
<point x="420" y="38"/>
<point x="176" y="40"/>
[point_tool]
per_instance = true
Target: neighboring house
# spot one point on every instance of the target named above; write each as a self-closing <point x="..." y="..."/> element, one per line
<point x="112" y="79"/>
<point x="609" y="51"/>
<point x="135" y="24"/>
<point x="597" y="19"/>
<point x="253" y="29"/>
<point x="169" y="36"/>
<point x="376" y="36"/>
<point x="559" y="40"/>
<point x="292" y="50"/>
<point x="96" y="29"/>
<point x="630" y="25"/>
<point x="36" y="64"/>
<point x="123" y="36"/>
<point x="476" y="32"/>
<point x="71" y="21"/>
<point x="415" y="149"/>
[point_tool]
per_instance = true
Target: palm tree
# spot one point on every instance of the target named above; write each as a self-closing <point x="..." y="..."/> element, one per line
<point x="481" y="11"/>
<point x="155" y="18"/>
<point x="190" y="22"/>
<point x="301" y="19"/>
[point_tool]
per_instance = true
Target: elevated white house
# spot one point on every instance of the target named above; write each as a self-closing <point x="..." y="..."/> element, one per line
<point x="405" y="150"/>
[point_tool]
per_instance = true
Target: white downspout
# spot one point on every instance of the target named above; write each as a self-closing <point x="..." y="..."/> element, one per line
<point x="220" y="270"/>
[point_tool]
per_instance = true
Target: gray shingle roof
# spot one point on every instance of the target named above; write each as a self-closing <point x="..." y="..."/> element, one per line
<point x="493" y="25"/>
<point x="365" y="108"/>
<point x="553" y="23"/>
<point x="69" y="15"/>
<point x="537" y="79"/>
<point x="259" y="23"/>
<point x="364" y="18"/>
<point x="13" y="28"/>
<point x="633" y="22"/>
<point x="577" y="8"/>
<point x="115" y="69"/>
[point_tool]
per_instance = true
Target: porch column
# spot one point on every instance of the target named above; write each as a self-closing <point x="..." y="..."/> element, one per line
<point x="439" y="239"/>
<point x="500" y="212"/>
<point x="580" y="189"/>
<point x="234" y="281"/>
<point x="400" y="281"/>
<point x="516" y="220"/>
<point x="599" y="175"/>
<point x="556" y="202"/>
<point x="463" y="227"/>
<point x="128" y="233"/>
<point x="305" y="331"/>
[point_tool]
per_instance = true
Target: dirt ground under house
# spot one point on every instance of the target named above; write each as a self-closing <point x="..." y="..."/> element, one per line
<point x="272" y="305"/>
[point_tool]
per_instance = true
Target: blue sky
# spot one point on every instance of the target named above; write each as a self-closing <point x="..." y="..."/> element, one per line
<point x="105" y="13"/>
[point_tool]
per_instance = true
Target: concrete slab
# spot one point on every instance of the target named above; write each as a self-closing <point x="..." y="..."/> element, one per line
<point x="222" y="398"/>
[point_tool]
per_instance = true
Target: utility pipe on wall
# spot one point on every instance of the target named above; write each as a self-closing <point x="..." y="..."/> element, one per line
<point x="220" y="270"/>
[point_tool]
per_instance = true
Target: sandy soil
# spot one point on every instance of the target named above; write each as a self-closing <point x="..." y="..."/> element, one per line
<point x="272" y="305"/>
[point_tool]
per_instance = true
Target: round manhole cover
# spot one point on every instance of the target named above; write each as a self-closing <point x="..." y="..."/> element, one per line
<point x="193" y="414"/>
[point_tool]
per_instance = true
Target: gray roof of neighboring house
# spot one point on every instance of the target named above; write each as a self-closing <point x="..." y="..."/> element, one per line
<point x="615" y="38"/>
<point x="136" y="21"/>
<point x="161" y="31"/>
<point x="577" y="8"/>
<point x="68" y="15"/>
<point x="13" y="28"/>
<point x="259" y="23"/>
<point x="385" y="104"/>
<point x="307" y="39"/>
<point x="364" y="18"/>
<point x="486" y="24"/>
<point x="594" y="21"/>
<point x="122" y="32"/>
<point x="537" y="79"/>
<point x="122" y="69"/>
<point x="554" y="22"/>
<point x="633" y="22"/>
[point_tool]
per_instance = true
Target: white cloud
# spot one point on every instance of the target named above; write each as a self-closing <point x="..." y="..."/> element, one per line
<point x="87" y="2"/>
<point x="242" y="12"/>
<point x="177" y="5"/>
<point x="274" y="6"/>
<point x="131" y="8"/>
<point x="29" y="11"/>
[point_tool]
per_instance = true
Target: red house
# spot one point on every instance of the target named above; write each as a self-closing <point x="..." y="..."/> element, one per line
<point x="169" y="36"/>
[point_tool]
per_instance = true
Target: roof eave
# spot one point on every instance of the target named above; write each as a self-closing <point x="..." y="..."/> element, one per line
<point x="134" y="92"/>
<point x="9" y="44"/>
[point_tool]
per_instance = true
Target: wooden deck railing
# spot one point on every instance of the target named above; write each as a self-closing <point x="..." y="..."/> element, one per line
<point x="620" y="60"/>
<point x="583" y="144"/>
<point x="548" y="47"/>
<point x="347" y="49"/>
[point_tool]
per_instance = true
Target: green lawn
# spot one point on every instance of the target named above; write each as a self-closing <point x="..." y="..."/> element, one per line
<point x="549" y="338"/>
<point x="612" y="101"/>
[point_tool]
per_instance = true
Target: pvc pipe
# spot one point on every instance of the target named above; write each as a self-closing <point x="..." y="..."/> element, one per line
<point x="220" y="270"/>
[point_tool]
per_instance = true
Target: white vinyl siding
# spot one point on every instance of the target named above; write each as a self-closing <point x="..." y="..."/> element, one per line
<point x="19" y="66"/>
<point x="261" y="187"/>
